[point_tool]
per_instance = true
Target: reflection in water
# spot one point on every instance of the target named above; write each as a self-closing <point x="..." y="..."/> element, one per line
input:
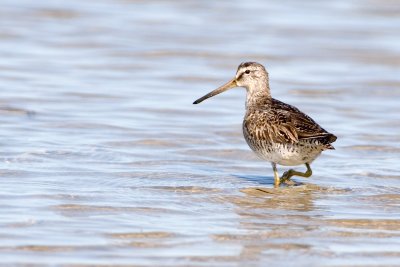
<point x="278" y="222"/>
<point x="273" y="221"/>
<point x="290" y="198"/>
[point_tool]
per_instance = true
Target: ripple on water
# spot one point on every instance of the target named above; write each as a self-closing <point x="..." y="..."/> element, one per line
<point x="184" y="189"/>
<point x="72" y="210"/>
<point x="16" y="111"/>
<point x="374" y="148"/>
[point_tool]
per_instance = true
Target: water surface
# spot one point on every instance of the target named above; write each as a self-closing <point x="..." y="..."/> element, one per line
<point x="106" y="161"/>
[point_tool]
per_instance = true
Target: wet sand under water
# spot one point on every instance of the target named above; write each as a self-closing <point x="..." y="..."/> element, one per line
<point x="105" y="161"/>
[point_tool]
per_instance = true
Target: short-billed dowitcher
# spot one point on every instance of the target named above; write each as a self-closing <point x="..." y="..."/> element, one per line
<point x="275" y="131"/>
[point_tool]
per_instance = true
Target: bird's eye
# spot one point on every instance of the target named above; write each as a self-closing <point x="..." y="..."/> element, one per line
<point x="247" y="72"/>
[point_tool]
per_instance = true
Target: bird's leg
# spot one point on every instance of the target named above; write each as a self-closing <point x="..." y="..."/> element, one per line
<point x="276" y="175"/>
<point x="288" y="174"/>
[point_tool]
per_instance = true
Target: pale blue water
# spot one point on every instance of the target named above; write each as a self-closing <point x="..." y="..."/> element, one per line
<point x="105" y="161"/>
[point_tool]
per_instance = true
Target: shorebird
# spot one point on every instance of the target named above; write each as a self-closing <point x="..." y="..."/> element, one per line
<point x="277" y="132"/>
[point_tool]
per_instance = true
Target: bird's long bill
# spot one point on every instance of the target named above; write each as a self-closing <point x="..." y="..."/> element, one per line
<point x="223" y="88"/>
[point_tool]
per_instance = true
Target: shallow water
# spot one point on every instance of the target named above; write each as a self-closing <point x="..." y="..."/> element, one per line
<point x="106" y="161"/>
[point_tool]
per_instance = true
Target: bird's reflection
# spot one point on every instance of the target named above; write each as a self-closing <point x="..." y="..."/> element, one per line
<point x="274" y="220"/>
<point x="295" y="197"/>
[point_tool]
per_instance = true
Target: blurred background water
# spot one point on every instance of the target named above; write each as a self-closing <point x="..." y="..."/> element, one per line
<point x="104" y="159"/>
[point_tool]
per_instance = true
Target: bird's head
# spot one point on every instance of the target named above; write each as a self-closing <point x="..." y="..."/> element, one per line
<point x="250" y="75"/>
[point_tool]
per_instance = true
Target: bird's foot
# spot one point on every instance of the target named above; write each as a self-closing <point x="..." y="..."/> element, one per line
<point x="286" y="176"/>
<point x="289" y="173"/>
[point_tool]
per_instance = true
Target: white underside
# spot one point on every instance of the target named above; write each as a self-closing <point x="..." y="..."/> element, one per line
<point x="289" y="154"/>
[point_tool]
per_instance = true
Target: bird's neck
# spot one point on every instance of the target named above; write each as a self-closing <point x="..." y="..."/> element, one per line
<point x="256" y="95"/>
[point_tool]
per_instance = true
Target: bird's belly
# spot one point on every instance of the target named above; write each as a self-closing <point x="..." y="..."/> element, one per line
<point x="286" y="154"/>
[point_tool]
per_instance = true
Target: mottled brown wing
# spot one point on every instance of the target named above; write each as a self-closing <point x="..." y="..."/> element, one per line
<point x="269" y="126"/>
<point x="282" y="123"/>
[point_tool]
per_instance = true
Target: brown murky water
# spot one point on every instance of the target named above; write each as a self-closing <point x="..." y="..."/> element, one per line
<point x="105" y="161"/>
